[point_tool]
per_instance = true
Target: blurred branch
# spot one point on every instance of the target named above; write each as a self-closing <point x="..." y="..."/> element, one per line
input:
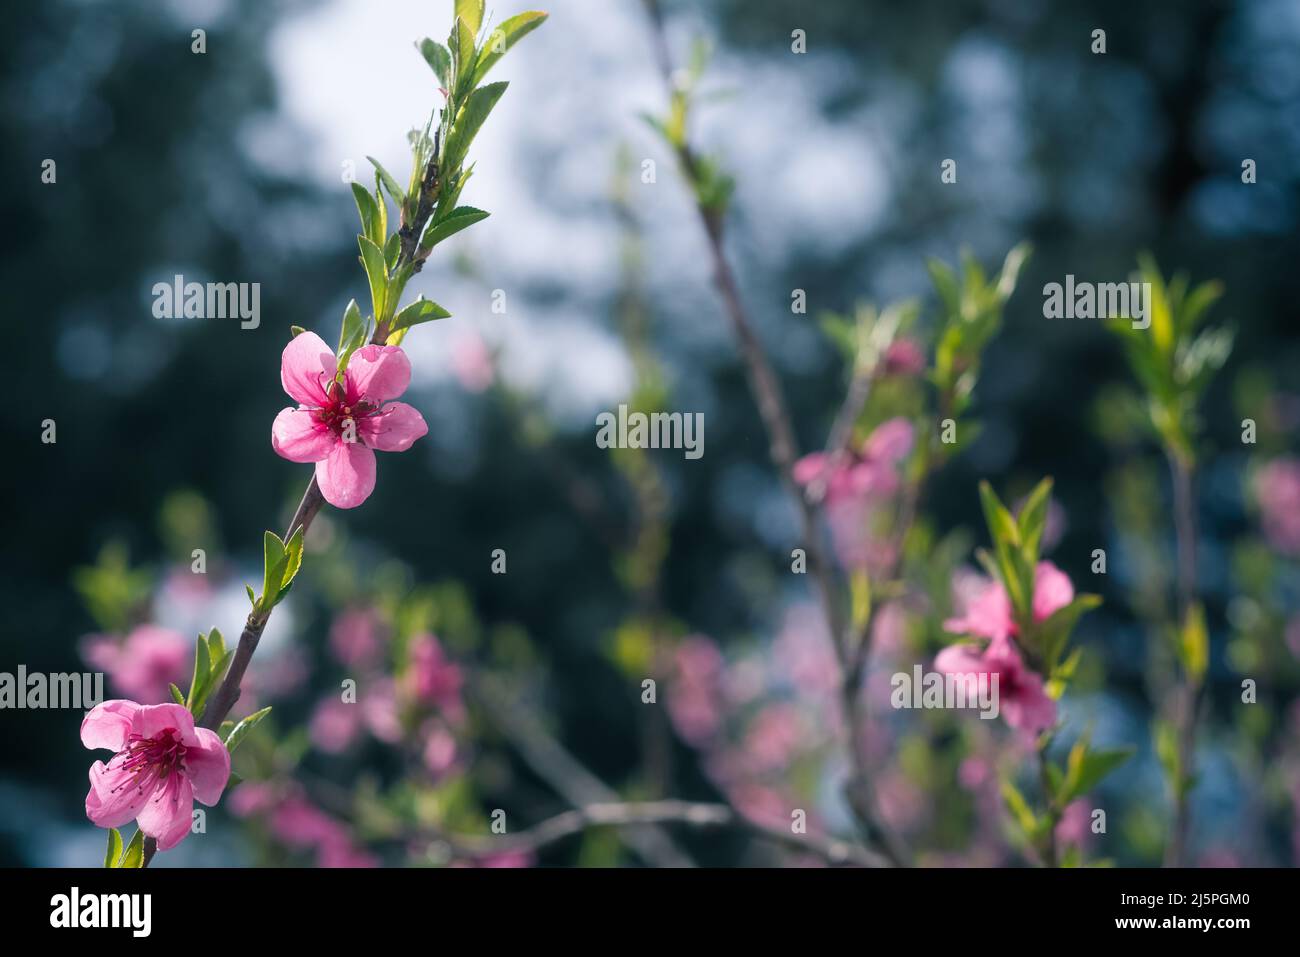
<point x="570" y="779"/>
<point x="640" y="814"/>
<point x="773" y="410"/>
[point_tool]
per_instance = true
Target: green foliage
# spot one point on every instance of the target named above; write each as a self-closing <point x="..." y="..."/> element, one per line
<point x="112" y="591"/>
<point x="113" y="853"/>
<point x="239" y="732"/>
<point x="281" y="562"/>
<point x="1173" y="359"/>
<point x="210" y="662"/>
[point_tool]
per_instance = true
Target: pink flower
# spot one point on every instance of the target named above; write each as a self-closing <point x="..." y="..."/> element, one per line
<point x="693" y="698"/>
<point x="1022" y="701"/>
<point x="904" y="357"/>
<point x="142" y="665"/>
<point x="1277" y="490"/>
<point x="334" y="725"/>
<point x="434" y="678"/>
<point x="338" y="426"/>
<point x="872" y="474"/>
<point x="160" y="765"/>
<point x="988" y="615"/>
<point x="355" y="638"/>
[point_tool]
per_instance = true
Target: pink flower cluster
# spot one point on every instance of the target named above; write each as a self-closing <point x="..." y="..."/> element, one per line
<point x="856" y="484"/>
<point x="1022" y="699"/>
<point x="1277" y="490"/>
<point x="141" y="665"/>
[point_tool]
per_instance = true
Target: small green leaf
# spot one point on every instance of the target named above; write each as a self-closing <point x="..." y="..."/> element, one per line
<point x="1033" y="518"/>
<point x="216" y="645"/>
<point x="500" y="40"/>
<point x="133" y="856"/>
<point x="439" y="59"/>
<point x="1002" y="527"/>
<point x="252" y="595"/>
<point x="296" y="331"/>
<point x="202" y="664"/>
<point x="372" y="257"/>
<point x="293" y="562"/>
<point x="422" y="310"/>
<point x="240" y="731"/>
<point x="394" y="188"/>
<point x="1194" y="643"/>
<point x="467" y="125"/>
<point x="176" y="695"/>
<point x="459" y="218"/>
<point x="1019" y="808"/>
<point x="235" y="778"/>
<point x="351" y="325"/>
<point x="471" y="12"/>
<point x="366" y="208"/>
<point x="114" y="850"/>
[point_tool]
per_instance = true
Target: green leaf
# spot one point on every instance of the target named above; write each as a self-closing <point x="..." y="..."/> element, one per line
<point x="273" y="562"/>
<point x="1194" y="643"/>
<point x="293" y="562"/>
<point x="390" y="183"/>
<point x="352" y="334"/>
<point x="461" y="44"/>
<point x="114" y="850"/>
<point x="1033" y="518"/>
<point x="368" y="211"/>
<point x="202" y="664"/>
<point x="1002" y="527"/>
<point x="1086" y="768"/>
<point x="459" y="218"/>
<point x="372" y="257"/>
<point x="471" y="13"/>
<point x="1055" y="630"/>
<point x="252" y="595"/>
<point x="133" y="856"/>
<point x="296" y="331"/>
<point x="500" y="40"/>
<point x="216" y="645"/>
<point x="470" y="121"/>
<point x="422" y="310"/>
<point x="176" y="695"/>
<point x="439" y="59"/>
<point x="240" y="731"/>
<point x="1019" y="808"/>
<point x="235" y="778"/>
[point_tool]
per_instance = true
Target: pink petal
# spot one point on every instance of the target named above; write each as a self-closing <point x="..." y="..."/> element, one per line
<point x="1052" y="590"/>
<point x="297" y="436"/>
<point x="393" y="429"/>
<point x="347" y="476"/>
<point x="152" y="720"/>
<point x="988" y="616"/>
<point x="207" y="762"/>
<point x="809" y="467"/>
<point x="114" y="797"/>
<point x="168" y="815"/>
<point x="306" y="366"/>
<point x="1026" y="705"/>
<point x="378" y="373"/>
<point x="108" y="725"/>
<point x="960" y="660"/>
<point x="890" y="441"/>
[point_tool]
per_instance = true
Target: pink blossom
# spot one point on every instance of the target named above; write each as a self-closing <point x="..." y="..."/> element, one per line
<point x="1022" y="701"/>
<point x="439" y="751"/>
<point x="160" y="765"/>
<point x="355" y="638"/>
<point x="298" y="823"/>
<point x="989" y="615"/>
<point x="433" y="678"/>
<point x="693" y="705"/>
<point x="1277" y="490"/>
<point x="334" y="725"/>
<point x="1075" y="825"/>
<point x="142" y="665"/>
<point x="339" y="425"/>
<point x="774" y="737"/>
<point x="871" y="474"/>
<point x="904" y="357"/>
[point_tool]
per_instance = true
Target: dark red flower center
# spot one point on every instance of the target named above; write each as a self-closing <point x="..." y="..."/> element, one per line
<point x="150" y="760"/>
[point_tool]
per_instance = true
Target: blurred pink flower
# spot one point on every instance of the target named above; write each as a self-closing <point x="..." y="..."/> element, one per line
<point x="339" y="426"/>
<point x="252" y="798"/>
<point x="904" y="357"/>
<point x="989" y="614"/>
<point x="1022" y="701"/>
<point x="335" y="724"/>
<point x="355" y="638"/>
<point x="433" y="678"/>
<point x="774" y="737"/>
<point x="298" y="823"/>
<point x="439" y="751"/>
<point x="974" y="772"/>
<point x="1075" y="825"/>
<point x="471" y="361"/>
<point x="1277" y="490"/>
<point x="378" y="703"/>
<point x="872" y="474"/>
<point x="693" y="705"/>
<point x="142" y="665"/>
<point x="343" y="853"/>
<point x="803" y="651"/>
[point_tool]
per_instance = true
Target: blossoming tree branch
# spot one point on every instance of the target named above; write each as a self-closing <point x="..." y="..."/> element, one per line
<point x="167" y="755"/>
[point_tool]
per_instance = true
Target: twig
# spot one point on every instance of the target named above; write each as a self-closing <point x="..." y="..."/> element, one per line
<point x="227" y="693"/>
<point x="641" y="814"/>
<point x="570" y="779"/>
<point x="1188" y="695"/>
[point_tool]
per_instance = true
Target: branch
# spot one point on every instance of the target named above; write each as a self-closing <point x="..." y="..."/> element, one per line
<point x="698" y="815"/>
<point x="227" y="693"/>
